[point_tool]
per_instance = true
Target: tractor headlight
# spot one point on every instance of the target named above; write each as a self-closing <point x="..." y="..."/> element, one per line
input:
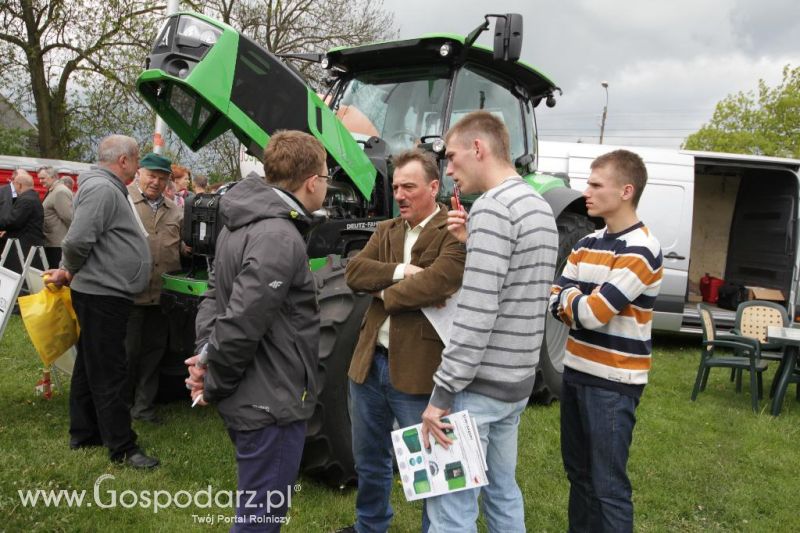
<point x="199" y="30"/>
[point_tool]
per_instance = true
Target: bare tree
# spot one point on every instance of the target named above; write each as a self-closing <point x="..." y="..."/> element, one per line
<point x="73" y="63"/>
<point x="54" y="51"/>
<point x="293" y="26"/>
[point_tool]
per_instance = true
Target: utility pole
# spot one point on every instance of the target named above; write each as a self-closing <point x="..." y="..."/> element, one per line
<point x="605" y="112"/>
<point x="161" y="128"/>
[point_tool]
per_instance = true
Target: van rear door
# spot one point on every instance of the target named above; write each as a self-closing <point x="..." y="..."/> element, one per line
<point x="763" y="249"/>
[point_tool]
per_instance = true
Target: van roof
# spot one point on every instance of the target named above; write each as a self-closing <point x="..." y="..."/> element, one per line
<point x="32" y="164"/>
<point x="556" y="149"/>
<point x="742" y="157"/>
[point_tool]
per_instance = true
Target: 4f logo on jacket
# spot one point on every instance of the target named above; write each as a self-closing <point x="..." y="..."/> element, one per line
<point x="275" y="284"/>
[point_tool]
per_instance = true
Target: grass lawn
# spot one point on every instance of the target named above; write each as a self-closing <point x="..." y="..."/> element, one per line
<point x="711" y="465"/>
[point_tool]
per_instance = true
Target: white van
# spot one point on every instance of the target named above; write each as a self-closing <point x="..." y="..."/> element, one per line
<point x="733" y="217"/>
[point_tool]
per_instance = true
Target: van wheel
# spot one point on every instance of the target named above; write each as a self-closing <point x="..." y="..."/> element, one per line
<point x="328" y="452"/>
<point x="571" y="228"/>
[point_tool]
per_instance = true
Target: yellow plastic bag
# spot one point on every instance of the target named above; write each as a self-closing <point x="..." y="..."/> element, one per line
<point x="51" y="322"/>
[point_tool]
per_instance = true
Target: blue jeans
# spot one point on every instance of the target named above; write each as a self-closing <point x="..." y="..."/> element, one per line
<point x="502" y="504"/>
<point x="596" y="433"/>
<point x="375" y="404"/>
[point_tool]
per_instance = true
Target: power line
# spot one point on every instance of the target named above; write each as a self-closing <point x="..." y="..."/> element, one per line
<point x="545" y="135"/>
<point x="620" y="129"/>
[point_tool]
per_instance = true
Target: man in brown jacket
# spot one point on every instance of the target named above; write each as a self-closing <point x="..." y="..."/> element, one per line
<point x="57" y="206"/>
<point x="410" y="262"/>
<point x="146" y="339"/>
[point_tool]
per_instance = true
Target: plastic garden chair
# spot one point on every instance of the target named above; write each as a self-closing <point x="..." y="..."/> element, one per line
<point x="746" y="356"/>
<point x="753" y="317"/>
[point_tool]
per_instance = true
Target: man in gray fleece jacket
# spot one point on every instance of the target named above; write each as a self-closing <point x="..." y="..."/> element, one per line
<point x="489" y="363"/>
<point x="106" y="260"/>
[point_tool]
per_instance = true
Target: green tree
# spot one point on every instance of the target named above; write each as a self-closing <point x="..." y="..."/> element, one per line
<point x="762" y="122"/>
<point x="17" y="141"/>
<point x="53" y="52"/>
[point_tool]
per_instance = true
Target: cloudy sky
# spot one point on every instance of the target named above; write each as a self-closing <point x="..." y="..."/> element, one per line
<point x="667" y="62"/>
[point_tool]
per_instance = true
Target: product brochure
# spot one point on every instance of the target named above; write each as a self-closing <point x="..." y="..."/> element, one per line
<point x="441" y="318"/>
<point x="436" y="471"/>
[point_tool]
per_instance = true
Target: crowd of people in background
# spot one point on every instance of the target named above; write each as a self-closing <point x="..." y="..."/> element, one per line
<point x="43" y="219"/>
<point x="88" y="238"/>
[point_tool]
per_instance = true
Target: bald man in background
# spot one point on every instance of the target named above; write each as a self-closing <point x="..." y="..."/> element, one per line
<point x="24" y="219"/>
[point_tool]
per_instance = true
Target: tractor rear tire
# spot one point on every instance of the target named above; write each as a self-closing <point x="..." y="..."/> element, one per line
<point x="571" y="228"/>
<point x="328" y="452"/>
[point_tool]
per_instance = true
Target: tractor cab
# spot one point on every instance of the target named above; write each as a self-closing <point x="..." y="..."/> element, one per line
<point x="410" y="92"/>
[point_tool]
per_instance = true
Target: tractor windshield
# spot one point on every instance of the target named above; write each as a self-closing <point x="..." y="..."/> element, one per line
<point x="399" y="111"/>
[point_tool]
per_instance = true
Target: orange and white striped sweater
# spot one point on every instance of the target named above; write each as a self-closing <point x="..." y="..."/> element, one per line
<point x="605" y="295"/>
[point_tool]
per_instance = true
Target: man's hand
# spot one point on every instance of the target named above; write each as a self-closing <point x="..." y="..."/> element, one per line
<point x="57" y="276"/>
<point x="433" y="425"/>
<point x="410" y="270"/>
<point x="457" y="222"/>
<point x="195" y="394"/>
<point x="195" y="381"/>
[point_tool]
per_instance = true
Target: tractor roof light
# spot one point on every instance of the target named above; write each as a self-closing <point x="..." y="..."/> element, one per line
<point x="199" y="30"/>
<point x="445" y="49"/>
<point x="438" y="146"/>
<point x="325" y="63"/>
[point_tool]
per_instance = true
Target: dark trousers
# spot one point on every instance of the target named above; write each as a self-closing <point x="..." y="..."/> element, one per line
<point x="596" y="433"/>
<point x="98" y="409"/>
<point x="145" y="343"/>
<point x="53" y="254"/>
<point x="267" y="461"/>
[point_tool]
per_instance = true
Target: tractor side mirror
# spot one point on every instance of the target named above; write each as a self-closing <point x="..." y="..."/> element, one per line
<point x="508" y="37"/>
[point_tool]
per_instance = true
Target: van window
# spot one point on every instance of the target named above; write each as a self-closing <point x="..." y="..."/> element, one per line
<point x="660" y="206"/>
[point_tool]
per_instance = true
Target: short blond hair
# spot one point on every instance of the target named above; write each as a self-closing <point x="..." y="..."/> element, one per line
<point x="485" y="126"/>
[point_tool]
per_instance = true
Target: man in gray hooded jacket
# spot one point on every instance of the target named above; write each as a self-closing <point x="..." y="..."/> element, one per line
<point x="259" y="324"/>
<point x="105" y="260"/>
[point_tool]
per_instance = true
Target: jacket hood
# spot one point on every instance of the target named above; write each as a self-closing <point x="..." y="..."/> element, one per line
<point x="252" y="199"/>
<point x="100" y="172"/>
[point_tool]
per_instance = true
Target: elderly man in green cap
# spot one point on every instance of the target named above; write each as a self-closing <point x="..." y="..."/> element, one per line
<point x="146" y="338"/>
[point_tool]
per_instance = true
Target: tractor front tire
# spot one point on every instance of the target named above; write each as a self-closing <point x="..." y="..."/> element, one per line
<point x="571" y="228"/>
<point x="328" y="452"/>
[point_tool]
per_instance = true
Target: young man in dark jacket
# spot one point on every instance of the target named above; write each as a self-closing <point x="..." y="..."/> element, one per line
<point x="259" y="325"/>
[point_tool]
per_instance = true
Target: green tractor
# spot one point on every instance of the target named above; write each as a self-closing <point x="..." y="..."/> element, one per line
<point x="204" y="79"/>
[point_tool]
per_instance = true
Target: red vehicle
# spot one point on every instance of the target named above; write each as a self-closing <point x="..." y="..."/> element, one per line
<point x="8" y="164"/>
